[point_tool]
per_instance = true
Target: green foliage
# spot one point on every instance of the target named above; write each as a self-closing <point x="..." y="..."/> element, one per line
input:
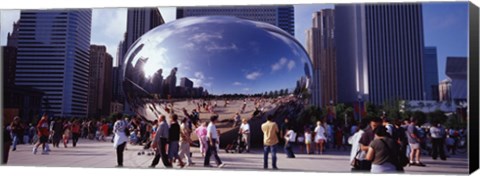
<point x="421" y="117"/>
<point x="437" y="116"/>
<point x="309" y="115"/>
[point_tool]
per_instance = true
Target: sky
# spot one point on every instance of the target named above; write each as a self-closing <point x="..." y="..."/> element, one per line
<point x="224" y="55"/>
<point x="445" y="27"/>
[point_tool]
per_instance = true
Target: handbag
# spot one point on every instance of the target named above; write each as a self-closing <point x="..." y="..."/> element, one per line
<point x="400" y="160"/>
<point x="361" y="165"/>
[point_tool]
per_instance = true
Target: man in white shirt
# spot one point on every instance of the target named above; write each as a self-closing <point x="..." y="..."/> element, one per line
<point x="245" y="131"/>
<point x="212" y="140"/>
<point x="290" y="137"/>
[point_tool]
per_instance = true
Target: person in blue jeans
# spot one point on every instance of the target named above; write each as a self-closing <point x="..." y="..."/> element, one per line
<point x="16" y="129"/>
<point x="270" y="141"/>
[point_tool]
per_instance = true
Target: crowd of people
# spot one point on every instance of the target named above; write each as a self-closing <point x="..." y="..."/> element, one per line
<point x="375" y="143"/>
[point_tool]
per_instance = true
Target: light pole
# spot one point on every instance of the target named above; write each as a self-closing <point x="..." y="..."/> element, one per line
<point x="359" y="107"/>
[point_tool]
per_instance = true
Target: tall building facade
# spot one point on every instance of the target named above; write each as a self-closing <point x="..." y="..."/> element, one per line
<point x="444" y="90"/>
<point x="53" y="57"/>
<point x="381" y="46"/>
<point x="321" y="49"/>
<point x="139" y="21"/>
<point x="456" y="70"/>
<point x="100" y="90"/>
<point x="430" y="70"/>
<point x="280" y="16"/>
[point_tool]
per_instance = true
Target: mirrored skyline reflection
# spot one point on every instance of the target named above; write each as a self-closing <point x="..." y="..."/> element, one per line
<point x="224" y="55"/>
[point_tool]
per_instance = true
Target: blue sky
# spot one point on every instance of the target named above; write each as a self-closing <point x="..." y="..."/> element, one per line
<point x="221" y="54"/>
<point x="445" y="26"/>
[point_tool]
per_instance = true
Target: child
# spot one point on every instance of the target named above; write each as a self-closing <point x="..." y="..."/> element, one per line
<point x="450" y="142"/>
<point x="133" y="137"/>
<point x="308" y="139"/>
<point x="301" y="141"/>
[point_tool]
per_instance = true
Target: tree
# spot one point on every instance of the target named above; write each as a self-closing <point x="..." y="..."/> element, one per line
<point x="309" y="115"/>
<point x="421" y="117"/>
<point x="437" y="116"/>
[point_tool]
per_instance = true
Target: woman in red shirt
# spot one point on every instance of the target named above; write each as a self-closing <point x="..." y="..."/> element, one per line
<point x="75" y="132"/>
<point x="104" y="130"/>
<point x="43" y="133"/>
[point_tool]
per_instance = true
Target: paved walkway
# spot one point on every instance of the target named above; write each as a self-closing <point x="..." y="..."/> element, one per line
<point x="102" y="155"/>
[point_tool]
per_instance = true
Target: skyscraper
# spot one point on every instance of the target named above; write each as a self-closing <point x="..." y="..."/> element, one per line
<point x="100" y="93"/>
<point x="321" y="49"/>
<point x="280" y="16"/>
<point x="139" y="21"/>
<point x="381" y="46"/>
<point x="53" y="56"/>
<point x="430" y="70"/>
<point x="456" y="70"/>
<point x="185" y="82"/>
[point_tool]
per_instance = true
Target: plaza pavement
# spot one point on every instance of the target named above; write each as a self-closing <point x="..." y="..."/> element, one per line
<point x="96" y="154"/>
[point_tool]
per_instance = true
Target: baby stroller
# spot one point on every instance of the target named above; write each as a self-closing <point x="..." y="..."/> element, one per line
<point x="237" y="145"/>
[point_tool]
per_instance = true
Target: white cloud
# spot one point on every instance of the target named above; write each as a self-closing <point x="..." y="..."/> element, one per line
<point x="204" y="37"/>
<point x="108" y="28"/>
<point x="279" y="65"/>
<point x="291" y="65"/>
<point x="199" y="80"/>
<point x="215" y="47"/>
<point x="246" y="89"/>
<point x="282" y="63"/>
<point x="237" y="84"/>
<point x="253" y="75"/>
<point x="199" y="75"/>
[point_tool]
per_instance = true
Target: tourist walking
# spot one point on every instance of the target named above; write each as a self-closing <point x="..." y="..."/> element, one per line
<point x="437" y="133"/>
<point x="174" y="138"/>
<point x="120" y="140"/>
<point x="212" y="139"/>
<point x="270" y="140"/>
<point x="66" y="133"/>
<point x="414" y="143"/>
<point x="16" y="129"/>
<point x="245" y="132"/>
<point x="160" y="143"/>
<point x="185" y="141"/>
<point x="308" y="139"/>
<point x="201" y="133"/>
<point x="381" y="152"/>
<point x="365" y="140"/>
<point x="75" y="132"/>
<point x="43" y="133"/>
<point x="57" y="132"/>
<point x="290" y="137"/>
<point x="320" y="138"/>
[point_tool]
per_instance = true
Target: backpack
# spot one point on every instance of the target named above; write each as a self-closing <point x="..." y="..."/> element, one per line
<point x="398" y="159"/>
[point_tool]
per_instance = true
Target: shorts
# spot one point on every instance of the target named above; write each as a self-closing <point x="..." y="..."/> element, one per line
<point x="308" y="142"/>
<point x="43" y="139"/>
<point x="414" y="146"/>
<point x="173" y="148"/>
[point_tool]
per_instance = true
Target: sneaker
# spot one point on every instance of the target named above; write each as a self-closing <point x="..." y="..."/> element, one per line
<point x="420" y="164"/>
<point x="34" y="151"/>
<point x="44" y="153"/>
<point x="14" y="149"/>
<point x="207" y="166"/>
<point x="221" y="165"/>
<point x="119" y="166"/>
